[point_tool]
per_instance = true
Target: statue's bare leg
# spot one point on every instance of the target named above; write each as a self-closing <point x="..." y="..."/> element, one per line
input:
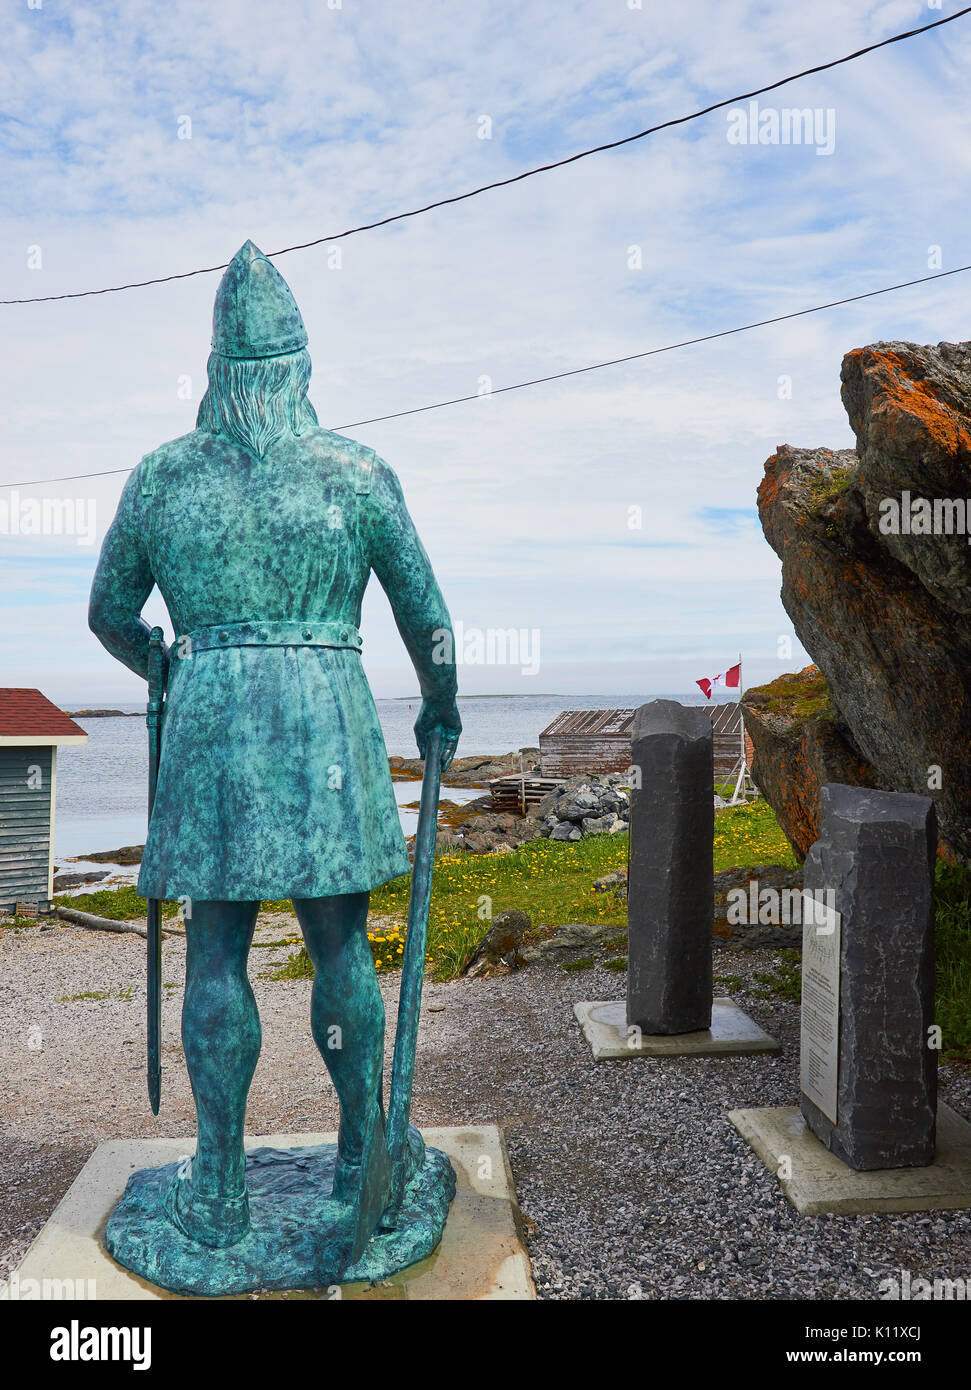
<point x="221" y="1037"/>
<point x="347" y="1020"/>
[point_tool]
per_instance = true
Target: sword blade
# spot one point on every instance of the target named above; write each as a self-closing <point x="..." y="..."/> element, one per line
<point x="156" y="697"/>
<point x="413" y="969"/>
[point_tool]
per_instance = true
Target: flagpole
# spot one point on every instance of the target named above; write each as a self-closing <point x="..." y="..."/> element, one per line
<point x="740" y="781"/>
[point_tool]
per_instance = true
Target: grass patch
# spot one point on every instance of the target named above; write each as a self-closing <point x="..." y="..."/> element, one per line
<point x="551" y="880"/>
<point x="785" y="980"/>
<point x="124" y="994"/>
<point x="615" y="963"/>
<point x="952" y="940"/>
<point x="750" y="834"/>
<point x="799" y="695"/>
<point x="830" y="485"/>
<point x="117" y="904"/>
<point x="574" y="966"/>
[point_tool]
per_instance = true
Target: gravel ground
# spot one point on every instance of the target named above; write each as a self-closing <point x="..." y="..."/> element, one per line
<point x="631" y="1181"/>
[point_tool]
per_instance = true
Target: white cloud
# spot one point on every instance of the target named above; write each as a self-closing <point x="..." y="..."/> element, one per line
<point x="318" y="119"/>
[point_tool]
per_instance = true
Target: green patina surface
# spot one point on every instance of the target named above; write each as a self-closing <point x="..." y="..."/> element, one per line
<point x="296" y="1229"/>
<point x="274" y="778"/>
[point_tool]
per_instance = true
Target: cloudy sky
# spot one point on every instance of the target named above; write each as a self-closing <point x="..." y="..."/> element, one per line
<point x="140" y="141"/>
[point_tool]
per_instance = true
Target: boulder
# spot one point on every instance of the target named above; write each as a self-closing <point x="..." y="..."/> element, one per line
<point x="63" y="882"/>
<point x="578" y="804"/>
<point x="886" y="616"/>
<point x="479" y="843"/>
<point x="602" y="885"/>
<point x="500" y="944"/>
<point x="566" y="830"/>
<point x="574" y="942"/>
<point x="602" y="825"/>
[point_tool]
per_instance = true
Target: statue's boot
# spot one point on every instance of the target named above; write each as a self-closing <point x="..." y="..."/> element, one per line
<point x="363" y="1184"/>
<point x="217" y="1222"/>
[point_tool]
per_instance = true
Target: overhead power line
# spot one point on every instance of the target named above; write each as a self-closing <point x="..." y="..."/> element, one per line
<point x="514" y="178"/>
<point x="575" y="371"/>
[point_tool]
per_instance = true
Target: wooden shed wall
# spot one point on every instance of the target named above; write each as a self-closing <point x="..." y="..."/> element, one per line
<point x="563" y="755"/>
<point x="25" y="825"/>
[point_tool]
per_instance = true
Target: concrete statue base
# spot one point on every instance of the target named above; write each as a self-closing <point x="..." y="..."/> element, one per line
<point x="480" y="1253"/>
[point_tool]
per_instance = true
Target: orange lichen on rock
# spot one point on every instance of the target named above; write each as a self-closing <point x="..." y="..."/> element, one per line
<point x="915" y="399"/>
<point x="885" y="613"/>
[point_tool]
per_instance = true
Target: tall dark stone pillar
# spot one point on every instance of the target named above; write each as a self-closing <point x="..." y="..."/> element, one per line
<point x="670" y="895"/>
<point x="875" y="854"/>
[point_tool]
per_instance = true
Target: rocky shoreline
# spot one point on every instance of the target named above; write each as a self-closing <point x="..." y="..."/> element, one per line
<point x="473" y="771"/>
<point x="104" y="714"/>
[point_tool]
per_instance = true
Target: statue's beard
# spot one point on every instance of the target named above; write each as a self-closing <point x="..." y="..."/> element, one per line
<point x="257" y="401"/>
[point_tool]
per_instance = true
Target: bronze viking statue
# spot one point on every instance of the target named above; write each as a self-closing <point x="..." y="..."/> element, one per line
<point x="261" y="530"/>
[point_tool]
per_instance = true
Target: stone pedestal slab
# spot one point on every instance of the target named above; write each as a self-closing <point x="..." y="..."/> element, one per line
<point x="481" y="1255"/>
<point x="818" y="1183"/>
<point x="611" y="1038"/>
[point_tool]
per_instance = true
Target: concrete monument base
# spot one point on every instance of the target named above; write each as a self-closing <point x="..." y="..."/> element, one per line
<point x="732" y="1033"/>
<point x="481" y="1254"/>
<point x="820" y="1184"/>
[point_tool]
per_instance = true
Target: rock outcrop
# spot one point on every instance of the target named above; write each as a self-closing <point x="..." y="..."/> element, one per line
<point x="800" y="742"/>
<point x="474" y="771"/>
<point x="882" y="603"/>
<point x="496" y="953"/>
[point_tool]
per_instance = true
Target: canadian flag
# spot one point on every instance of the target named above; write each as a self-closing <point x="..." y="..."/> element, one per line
<point x="730" y="679"/>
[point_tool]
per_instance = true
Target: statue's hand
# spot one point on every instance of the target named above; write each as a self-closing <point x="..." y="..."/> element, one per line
<point x="446" y="719"/>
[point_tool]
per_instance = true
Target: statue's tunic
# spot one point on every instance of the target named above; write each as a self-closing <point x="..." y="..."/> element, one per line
<point x="274" y="777"/>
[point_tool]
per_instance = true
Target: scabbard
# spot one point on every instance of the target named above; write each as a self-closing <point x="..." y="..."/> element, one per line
<point x="154" y="716"/>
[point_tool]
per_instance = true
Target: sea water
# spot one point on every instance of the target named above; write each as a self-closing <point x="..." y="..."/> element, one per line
<point x="102" y="786"/>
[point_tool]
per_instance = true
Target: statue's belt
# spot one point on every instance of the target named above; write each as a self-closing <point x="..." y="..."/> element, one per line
<point x="319" y="632"/>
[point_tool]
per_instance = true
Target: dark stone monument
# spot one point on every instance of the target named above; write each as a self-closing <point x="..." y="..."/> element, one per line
<point x="671" y="878"/>
<point x="868" y="979"/>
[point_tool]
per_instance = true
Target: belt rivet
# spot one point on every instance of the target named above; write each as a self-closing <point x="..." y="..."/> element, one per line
<point x="359" y="640"/>
<point x="343" y="636"/>
<point x="224" y="637"/>
<point x="307" y="634"/>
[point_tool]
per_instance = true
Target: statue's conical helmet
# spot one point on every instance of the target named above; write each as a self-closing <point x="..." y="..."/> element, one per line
<point x="255" y="315"/>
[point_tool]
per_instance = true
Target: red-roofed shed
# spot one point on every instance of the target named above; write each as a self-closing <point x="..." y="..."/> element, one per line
<point x="31" y="728"/>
